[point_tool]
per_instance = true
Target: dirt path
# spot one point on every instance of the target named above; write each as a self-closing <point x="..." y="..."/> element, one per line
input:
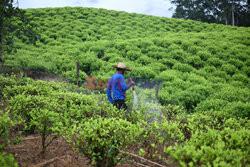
<point x="37" y="75"/>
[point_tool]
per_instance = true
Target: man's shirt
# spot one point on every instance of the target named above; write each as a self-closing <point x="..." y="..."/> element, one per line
<point x="118" y="87"/>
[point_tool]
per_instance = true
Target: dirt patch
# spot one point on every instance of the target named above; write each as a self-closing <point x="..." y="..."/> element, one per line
<point x="37" y="75"/>
<point x="59" y="153"/>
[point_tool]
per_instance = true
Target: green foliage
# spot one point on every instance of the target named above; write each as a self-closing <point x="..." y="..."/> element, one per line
<point x="224" y="12"/>
<point x="215" y="133"/>
<point x="7" y="160"/>
<point x="204" y="83"/>
<point x="5" y="124"/>
<point x="183" y="67"/>
<point x="205" y="148"/>
<point x="72" y="77"/>
<point x="102" y="139"/>
<point x="14" y="24"/>
<point x="217" y="54"/>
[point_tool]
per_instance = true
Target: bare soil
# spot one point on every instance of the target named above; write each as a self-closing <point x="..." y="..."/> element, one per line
<point x="59" y="153"/>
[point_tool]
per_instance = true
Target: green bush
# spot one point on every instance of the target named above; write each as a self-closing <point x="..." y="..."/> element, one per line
<point x="133" y="55"/>
<point x="194" y="61"/>
<point x="102" y="139"/>
<point x="241" y="78"/>
<point x="215" y="62"/>
<point x="213" y="148"/>
<point x="183" y="67"/>
<point x="71" y="76"/>
<point x="229" y="69"/>
<point x="168" y="62"/>
<point x="7" y="160"/>
<point x="5" y="124"/>
<point x="145" y="60"/>
<point x="143" y="72"/>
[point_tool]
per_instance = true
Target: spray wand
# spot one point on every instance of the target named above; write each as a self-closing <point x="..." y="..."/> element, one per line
<point x="133" y="87"/>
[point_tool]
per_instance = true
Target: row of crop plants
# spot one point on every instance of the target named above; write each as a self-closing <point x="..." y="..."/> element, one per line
<point x="187" y="67"/>
<point x="164" y="134"/>
<point x="89" y="24"/>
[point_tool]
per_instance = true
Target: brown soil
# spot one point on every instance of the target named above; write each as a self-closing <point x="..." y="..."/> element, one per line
<point x="58" y="154"/>
<point x="37" y="75"/>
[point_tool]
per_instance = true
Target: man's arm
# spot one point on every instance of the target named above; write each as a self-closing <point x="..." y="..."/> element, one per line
<point x="123" y="84"/>
<point x="130" y="84"/>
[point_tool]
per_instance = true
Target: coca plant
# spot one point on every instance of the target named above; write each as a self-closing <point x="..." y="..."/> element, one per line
<point x="102" y="139"/>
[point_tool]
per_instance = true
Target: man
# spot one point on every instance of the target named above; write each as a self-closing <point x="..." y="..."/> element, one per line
<point x="118" y="87"/>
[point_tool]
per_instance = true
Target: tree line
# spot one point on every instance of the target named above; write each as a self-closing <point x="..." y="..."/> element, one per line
<point x="228" y="12"/>
<point x="13" y="23"/>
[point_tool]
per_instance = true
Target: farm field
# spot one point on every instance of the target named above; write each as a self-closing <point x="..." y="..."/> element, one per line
<point x="202" y="118"/>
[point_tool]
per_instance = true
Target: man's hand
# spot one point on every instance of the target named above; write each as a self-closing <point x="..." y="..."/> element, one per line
<point x="130" y="84"/>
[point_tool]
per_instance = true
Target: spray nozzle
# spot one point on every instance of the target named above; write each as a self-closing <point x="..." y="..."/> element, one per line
<point x="133" y="88"/>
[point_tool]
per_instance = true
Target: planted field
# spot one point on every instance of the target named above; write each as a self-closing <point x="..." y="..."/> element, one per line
<point x="203" y="69"/>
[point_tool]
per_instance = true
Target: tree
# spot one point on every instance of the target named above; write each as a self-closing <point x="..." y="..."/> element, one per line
<point x="234" y="12"/>
<point x="13" y="23"/>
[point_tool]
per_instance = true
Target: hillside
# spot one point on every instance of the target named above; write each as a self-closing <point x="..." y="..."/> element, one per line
<point x="202" y="66"/>
<point x="203" y="75"/>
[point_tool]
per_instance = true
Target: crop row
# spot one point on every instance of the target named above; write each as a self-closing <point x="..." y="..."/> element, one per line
<point x="102" y="133"/>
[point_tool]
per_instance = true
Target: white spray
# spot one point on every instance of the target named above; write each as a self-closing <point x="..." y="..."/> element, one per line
<point x="135" y="100"/>
<point x="152" y="106"/>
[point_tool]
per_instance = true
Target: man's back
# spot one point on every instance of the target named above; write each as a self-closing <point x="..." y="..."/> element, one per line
<point x="118" y="87"/>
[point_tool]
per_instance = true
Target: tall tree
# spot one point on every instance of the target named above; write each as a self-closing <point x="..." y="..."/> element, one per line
<point x="13" y="23"/>
<point x="214" y="11"/>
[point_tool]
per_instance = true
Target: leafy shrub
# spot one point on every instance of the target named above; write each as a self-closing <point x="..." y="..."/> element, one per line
<point x="168" y="62"/>
<point x="194" y="61"/>
<point x="215" y="62"/>
<point x="71" y="76"/>
<point x="102" y="139"/>
<point x="211" y="104"/>
<point x="213" y="148"/>
<point x="229" y="69"/>
<point x="143" y="72"/>
<point x="232" y="94"/>
<point x="238" y="109"/>
<point x="168" y="75"/>
<point x="246" y="70"/>
<point x="191" y="97"/>
<point x="240" y="77"/>
<point x="7" y="160"/>
<point x="204" y="55"/>
<point x="5" y="124"/>
<point x="237" y="63"/>
<point x="29" y="87"/>
<point x="156" y="55"/>
<point x="196" y="79"/>
<point x="133" y="55"/>
<point x="179" y="55"/>
<point x="183" y="67"/>
<point x="47" y="122"/>
<point x="193" y="49"/>
<point x="144" y="60"/>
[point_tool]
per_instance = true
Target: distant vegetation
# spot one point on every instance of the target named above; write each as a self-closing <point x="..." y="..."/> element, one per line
<point x="229" y="12"/>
